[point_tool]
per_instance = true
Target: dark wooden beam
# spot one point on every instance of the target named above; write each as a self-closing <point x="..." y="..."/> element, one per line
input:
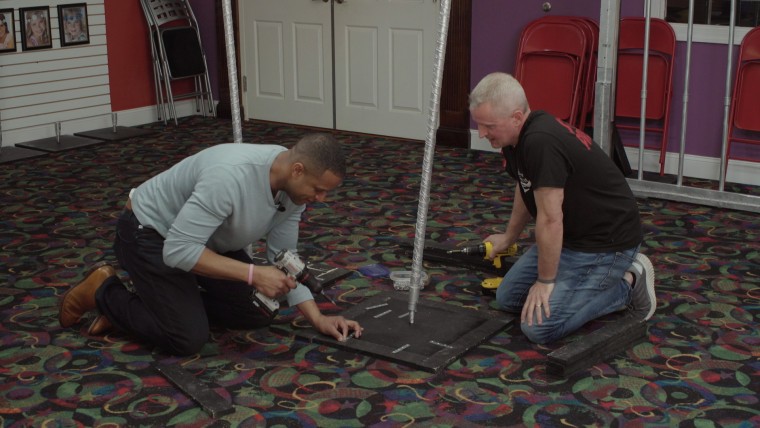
<point x="598" y="346"/>
<point x="454" y="126"/>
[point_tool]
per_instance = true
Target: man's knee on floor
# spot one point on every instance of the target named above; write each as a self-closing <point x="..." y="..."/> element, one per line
<point x="251" y="324"/>
<point x="186" y="344"/>
<point x="539" y="334"/>
<point x="505" y="303"/>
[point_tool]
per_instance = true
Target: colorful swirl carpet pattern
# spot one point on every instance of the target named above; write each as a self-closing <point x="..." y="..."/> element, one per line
<point x="699" y="367"/>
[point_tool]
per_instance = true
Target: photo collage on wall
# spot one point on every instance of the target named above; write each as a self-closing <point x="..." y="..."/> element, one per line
<point x="34" y="23"/>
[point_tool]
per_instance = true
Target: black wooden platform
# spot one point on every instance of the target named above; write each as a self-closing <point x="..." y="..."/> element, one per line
<point x="59" y="144"/>
<point x="15" y="154"/>
<point x="441" y="332"/>
<point x="118" y="134"/>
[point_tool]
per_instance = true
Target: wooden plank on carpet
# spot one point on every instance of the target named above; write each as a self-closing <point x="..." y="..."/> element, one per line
<point x="201" y="393"/>
<point x="597" y="346"/>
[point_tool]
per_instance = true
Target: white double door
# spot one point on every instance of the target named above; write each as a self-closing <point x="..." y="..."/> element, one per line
<point x="354" y="65"/>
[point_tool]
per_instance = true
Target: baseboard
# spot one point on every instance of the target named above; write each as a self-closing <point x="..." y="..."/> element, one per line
<point x="132" y="117"/>
<point x="693" y="166"/>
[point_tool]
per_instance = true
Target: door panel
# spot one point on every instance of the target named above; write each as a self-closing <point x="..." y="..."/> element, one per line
<point x="362" y="68"/>
<point x="310" y="64"/>
<point x="384" y="65"/>
<point x="407" y="70"/>
<point x="270" y="63"/>
<point x="286" y="50"/>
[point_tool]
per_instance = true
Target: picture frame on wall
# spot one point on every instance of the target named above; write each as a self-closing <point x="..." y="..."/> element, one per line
<point x="7" y="31"/>
<point x="35" y="28"/>
<point x="72" y="24"/>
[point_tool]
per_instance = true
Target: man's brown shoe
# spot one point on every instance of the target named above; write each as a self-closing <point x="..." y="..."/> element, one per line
<point x="80" y="298"/>
<point x="99" y="326"/>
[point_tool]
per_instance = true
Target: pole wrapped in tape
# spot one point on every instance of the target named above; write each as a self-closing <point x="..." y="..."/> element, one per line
<point x="229" y="43"/>
<point x="427" y="162"/>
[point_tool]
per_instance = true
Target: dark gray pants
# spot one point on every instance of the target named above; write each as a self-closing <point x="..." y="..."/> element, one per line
<point x="171" y="308"/>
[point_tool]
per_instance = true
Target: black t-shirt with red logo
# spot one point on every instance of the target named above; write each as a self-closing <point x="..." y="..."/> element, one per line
<point x="600" y="213"/>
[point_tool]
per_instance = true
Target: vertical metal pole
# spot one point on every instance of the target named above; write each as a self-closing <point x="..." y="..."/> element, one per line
<point x="606" y="72"/>
<point x="427" y="163"/>
<point x="644" y="78"/>
<point x="229" y="39"/>
<point x="113" y="122"/>
<point x="229" y="44"/>
<point x="727" y="102"/>
<point x="682" y="153"/>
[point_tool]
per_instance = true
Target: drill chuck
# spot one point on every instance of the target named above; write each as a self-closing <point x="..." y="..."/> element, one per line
<point x="475" y="250"/>
<point x="484" y="250"/>
<point x="292" y="265"/>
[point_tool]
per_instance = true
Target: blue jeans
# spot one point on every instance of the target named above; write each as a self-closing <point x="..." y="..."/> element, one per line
<point x="588" y="285"/>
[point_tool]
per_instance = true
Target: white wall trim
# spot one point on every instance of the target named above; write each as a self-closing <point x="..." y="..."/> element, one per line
<point x="701" y="33"/>
<point x="133" y="117"/>
<point x="693" y="166"/>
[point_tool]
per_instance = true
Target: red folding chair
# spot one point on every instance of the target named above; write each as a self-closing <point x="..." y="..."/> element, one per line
<point x="662" y="46"/>
<point x="550" y="64"/>
<point x="590" y="29"/>
<point x="590" y="83"/>
<point x="744" y="116"/>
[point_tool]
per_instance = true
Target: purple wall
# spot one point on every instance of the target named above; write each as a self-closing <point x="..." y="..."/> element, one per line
<point x="707" y="92"/>
<point x="496" y="28"/>
<point x="205" y="13"/>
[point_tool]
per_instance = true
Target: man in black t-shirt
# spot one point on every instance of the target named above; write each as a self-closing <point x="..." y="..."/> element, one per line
<point x="586" y="261"/>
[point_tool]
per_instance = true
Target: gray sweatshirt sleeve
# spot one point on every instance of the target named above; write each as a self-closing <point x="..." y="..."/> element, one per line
<point x="199" y="217"/>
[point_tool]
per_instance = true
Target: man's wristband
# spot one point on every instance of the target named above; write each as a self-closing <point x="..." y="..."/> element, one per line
<point x="250" y="274"/>
<point x="546" y="281"/>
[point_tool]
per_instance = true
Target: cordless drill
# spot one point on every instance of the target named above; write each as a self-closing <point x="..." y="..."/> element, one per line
<point x="488" y="285"/>
<point x="485" y="249"/>
<point x="292" y="265"/>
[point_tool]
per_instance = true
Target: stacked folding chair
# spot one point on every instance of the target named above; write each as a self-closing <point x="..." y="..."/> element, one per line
<point x="630" y="66"/>
<point x="744" y="116"/>
<point x="177" y="56"/>
<point x="556" y="66"/>
<point x="587" y="112"/>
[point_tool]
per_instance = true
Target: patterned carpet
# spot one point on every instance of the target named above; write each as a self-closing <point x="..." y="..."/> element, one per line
<point x="699" y="367"/>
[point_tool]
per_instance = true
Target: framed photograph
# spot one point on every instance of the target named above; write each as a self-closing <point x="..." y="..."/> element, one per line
<point x="35" y="28"/>
<point x="7" y="31"/>
<point x="72" y="22"/>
